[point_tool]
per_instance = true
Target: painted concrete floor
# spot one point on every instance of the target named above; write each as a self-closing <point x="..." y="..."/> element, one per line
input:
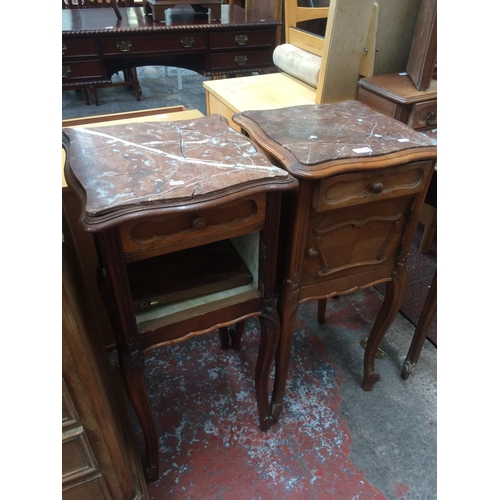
<point x="334" y="441"/>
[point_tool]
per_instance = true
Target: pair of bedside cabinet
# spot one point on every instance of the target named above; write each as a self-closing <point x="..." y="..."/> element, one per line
<point x="198" y="227"/>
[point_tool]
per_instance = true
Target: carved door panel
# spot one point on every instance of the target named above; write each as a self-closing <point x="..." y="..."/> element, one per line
<point x="354" y="240"/>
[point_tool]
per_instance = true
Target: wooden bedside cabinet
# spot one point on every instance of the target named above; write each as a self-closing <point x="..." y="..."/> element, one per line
<point x="363" y="178"/>
<point x="185" y="217"/>
<point x="395" y="95"/>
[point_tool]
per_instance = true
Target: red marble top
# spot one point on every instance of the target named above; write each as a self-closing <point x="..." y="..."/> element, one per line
<point x="320" y="135"/>
<point x="161" y="163"/>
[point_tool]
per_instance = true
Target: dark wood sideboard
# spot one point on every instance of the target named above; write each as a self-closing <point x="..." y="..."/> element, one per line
<point x="95" y="44"/>
<point x="99" y="458"/>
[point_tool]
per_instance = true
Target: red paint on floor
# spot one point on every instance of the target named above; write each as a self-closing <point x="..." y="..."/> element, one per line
<point x="400" y="489"/>
<point x="210" y="444"/>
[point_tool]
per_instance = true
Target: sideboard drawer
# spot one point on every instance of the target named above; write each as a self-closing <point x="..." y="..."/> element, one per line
<point x="165" y="234"/>
<point x="77" y="457"/>
<point x="77" y="47"/>
<point x="130" y="44"/>
<point x="82" y="70"/>
<point x="423" y="114"/>
<point x="237" y="60"/>
<point x="363" y="187"/>
<point x="237" y="39"/>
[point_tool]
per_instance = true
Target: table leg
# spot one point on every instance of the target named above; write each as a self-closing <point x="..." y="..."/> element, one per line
<point x="288" y="309"/>
<point x="133" y="373"/>
<point x="115" y="291"/>
<point x="394" y="294"/>
<point x="269" y="337"/>
<point x="417" y="343"/>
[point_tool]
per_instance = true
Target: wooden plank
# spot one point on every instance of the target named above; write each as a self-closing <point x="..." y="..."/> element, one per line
<point x="346" y="30"/>
<point x="423" y="53"/>
<point x="368" y="60"/>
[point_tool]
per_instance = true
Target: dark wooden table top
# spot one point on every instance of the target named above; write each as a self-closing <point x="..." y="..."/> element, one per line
<point x="85" y="21"/>
<point x="126" y="170"/>
<point x="315" y="141"/>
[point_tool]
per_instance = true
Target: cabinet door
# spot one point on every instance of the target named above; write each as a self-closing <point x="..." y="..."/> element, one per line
<point x="355" y="240"/>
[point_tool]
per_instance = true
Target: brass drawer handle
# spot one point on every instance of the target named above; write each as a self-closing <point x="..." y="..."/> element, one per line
<point x="64" y="48"/>
<point x="240" y="60"/>
<point x="66" y="71"/>
<point x="431" y="118"/>
<point x="199" y="223"/>
<point x="187" y="41"/>
<point x="241" y="39"/>
<point x="312" y="253"/>
<point x="376" y="187"/>
<point x="124" y="46"/>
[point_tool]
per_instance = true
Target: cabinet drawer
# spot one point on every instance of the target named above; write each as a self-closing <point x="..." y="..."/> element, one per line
<point x="78" y="47"/>
<point x="155" y="236"/>
<point x="69" y="414"/>
<point x="129" y="44"/>
<point x="77" y="456"/>
<point x="240" y="59"/>
<point x="423" y="114"/>
<point x="237" y="39"/>
<point x="94" y="488"/>
<point x="363" y="187"/>
<point x="82" y="70"/>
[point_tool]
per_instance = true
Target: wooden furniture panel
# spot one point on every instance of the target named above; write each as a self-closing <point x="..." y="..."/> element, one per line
<point x="238" y="39"/>
<point x="423" y="52"/>
<point x="94" y="488"/>
<point x="363" y="178"/>
<point x="77" y="47"/>
<point x="81" y="71"/>
<point x="131" y="45"/>
<point x="355" y="189"/>
<point x="354" y="240"/>
<point x="232" y="61"/>
<point x="154" y="236"/>
<point x="99" y="459"/>
<point x="204" y="165"/>
<point x="77" y="456"/>
<point x="423" y="115"/>
<point x="69" y="414"/>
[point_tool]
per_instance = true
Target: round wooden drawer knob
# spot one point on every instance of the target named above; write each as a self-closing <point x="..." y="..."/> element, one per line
<point x="376" y="187"/>
<point x="312" y="253"/>
<point x="199" y="223"/>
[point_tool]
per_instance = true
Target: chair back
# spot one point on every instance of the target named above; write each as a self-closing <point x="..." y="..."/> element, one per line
<point x="296" y="14"/>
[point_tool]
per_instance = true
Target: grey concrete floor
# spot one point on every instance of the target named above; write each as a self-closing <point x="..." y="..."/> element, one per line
<point x="393" y="427"/>
<point x="159" y="86"/>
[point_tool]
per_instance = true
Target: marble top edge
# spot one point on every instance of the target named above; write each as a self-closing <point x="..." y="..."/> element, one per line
<point x="153" y="163"/>
<point x="319" y="133"/>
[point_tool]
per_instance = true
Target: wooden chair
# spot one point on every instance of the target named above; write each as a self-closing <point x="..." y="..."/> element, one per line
<point x="325" y="60"/>
<point x="130" y="74"/>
